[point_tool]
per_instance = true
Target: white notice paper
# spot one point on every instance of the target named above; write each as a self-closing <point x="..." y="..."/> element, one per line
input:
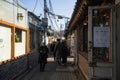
<point x="101" y="36"/>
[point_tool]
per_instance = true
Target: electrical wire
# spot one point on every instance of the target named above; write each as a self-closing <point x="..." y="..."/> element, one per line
<point x="51" y="8"/>
<point x="41" y="8"/>
<point x="50" y="4"/>
<point x="41" y="5"/>
<point x="51" y="22"/>
<point x="50" y="11"/>
<point x="35" y="5"/>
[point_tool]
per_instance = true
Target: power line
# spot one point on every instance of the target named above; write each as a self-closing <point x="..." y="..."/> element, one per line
<point x="50" y="4"/>
<point x="35" y="5"/>
<point x="51" y="22"/>
<point x="51" y="8"/>
<point x="42" y="9"/>
<point x="41" y="5"/>
<point x="55" y="20"/>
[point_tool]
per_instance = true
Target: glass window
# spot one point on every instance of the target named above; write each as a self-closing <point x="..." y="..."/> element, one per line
<point x="30" y="19"/>
<point x="18" y="36"/>
<point x="101" y="35"/>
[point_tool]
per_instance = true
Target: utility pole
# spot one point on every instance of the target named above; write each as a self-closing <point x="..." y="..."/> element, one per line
<point x="45" y="8"/>
<point x="45" y="17"/>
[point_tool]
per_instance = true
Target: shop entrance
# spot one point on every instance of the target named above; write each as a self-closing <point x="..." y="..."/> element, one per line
<point x="100" y="46"/>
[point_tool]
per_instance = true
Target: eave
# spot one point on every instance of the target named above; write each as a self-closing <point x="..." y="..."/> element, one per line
<point x="81" y="11"/>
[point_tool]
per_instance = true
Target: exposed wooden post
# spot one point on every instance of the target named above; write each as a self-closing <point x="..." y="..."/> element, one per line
<point x="13" y="43"/>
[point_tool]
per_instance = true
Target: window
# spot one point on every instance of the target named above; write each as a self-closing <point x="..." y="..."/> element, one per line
<point x="30" y="19"/>
<point x="102" y="49"/>
<point x="18" y="36"/>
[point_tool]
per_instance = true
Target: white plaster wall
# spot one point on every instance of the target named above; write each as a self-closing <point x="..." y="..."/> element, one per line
<point x="9" y="10"/>
<point x="6" y="12"/>
<point x="5" y="43"/>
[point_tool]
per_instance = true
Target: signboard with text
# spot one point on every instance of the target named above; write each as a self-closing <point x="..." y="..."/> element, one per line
<point x="101" y="37"/>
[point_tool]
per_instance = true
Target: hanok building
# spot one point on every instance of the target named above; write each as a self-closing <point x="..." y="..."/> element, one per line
<point x="93" y="34"/>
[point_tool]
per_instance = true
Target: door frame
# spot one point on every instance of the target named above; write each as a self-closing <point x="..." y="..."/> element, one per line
<point x="116" y="41"/>
<point x="93" y="64"/>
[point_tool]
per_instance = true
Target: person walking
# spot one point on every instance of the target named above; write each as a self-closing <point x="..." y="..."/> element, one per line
<point x="52" y="49"/>
<point x="57" y="51"/>
<point x="43" y="54"/>
<point x="65" y="52"/>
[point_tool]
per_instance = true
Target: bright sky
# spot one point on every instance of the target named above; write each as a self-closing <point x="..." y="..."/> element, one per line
<point x="60" y="7"/>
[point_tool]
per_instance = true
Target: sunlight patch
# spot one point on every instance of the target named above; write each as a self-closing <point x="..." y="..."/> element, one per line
<point x="50" y="59"/>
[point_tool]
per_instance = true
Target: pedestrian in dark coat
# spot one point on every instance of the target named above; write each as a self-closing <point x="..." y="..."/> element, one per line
<point x="57" y="51"/>
<point x="43" y="54"/>
<point x="65" y="52"/>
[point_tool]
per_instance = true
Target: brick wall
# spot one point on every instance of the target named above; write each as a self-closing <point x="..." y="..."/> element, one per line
<point x="13" y="68"/>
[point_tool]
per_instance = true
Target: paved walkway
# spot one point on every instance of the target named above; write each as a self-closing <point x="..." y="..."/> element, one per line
<point x="52" y="72"/>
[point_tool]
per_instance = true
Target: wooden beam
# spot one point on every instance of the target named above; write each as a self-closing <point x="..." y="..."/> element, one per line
<point x="12" y="25"/>
<point x="13" y="43"/>
<point x="28" y="42"/>
<point x="76" y="17"/>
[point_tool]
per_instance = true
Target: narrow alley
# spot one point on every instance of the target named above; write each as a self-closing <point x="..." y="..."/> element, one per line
<point x="81" y="35"/>
<point x="53" y="71"/>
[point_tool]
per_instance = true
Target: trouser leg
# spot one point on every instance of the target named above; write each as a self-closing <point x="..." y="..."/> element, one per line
<point x="43" y="66"/>
<point x="40" y="66"/>
<point x="64" y="59"/>
<point x="54" y="55"/>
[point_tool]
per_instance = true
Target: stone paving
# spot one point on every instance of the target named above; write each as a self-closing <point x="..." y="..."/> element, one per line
<point x="53" y="71"/>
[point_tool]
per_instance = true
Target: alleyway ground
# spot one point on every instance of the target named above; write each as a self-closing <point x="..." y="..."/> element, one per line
<point x="53" y="71"/>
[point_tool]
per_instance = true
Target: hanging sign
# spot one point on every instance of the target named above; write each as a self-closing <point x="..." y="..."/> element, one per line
<point x="101" y="37"/>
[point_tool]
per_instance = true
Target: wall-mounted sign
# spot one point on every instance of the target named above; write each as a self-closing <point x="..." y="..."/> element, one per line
<point x="101" y="37"/>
